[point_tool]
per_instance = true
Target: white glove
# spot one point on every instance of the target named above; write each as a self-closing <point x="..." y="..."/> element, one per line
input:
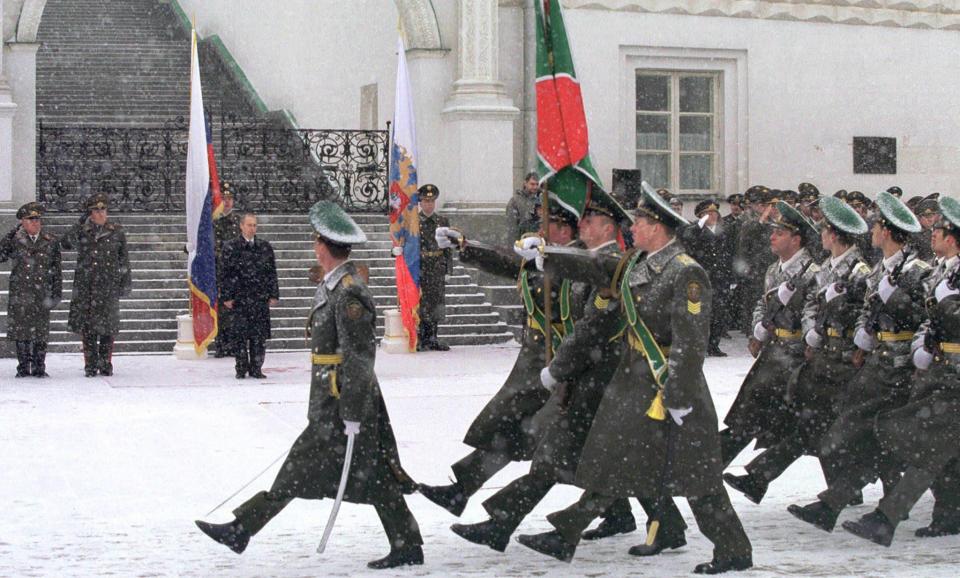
<point x="441" y="236"/>
<point x="864" y="340"/>
<point x="785" y="293"/>
<point x="943" y="291"/>
<point x="917" y="343"/>
<point x="760" y="332"/>
<point x="396" y="251"/>
<point x="703" y="221"/>
<point x="351" y="427"/>
<point x="813" y="339"/>
<point x="528" y="247"/>
<point x="922" y="359"/>
<point x="548" y="381"/>
<point x="679" y="414"/>
<point x="832" y="292"/>
<point x="886" y="288"/>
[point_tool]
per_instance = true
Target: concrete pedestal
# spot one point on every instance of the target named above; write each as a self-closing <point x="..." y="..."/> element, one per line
<point x="394" y="337"/>
<point x="184" y="348"/>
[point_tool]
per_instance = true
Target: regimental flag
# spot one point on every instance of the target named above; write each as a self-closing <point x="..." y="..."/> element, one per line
<point x="404" y="217"/>
<point x="201" y="180"/>
<point x="563" y="148"/>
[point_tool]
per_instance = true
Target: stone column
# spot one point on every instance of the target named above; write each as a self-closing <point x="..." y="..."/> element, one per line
<point x="7" y="111"/>
<point x="478" y="115"/>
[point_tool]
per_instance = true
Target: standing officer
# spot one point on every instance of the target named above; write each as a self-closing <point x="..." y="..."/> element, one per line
<point x="35" y="288"/>
<point x="635" y="447"/>
<point x="345" y="400"/>
<point x="102" y="277"/>
<point x="226" y="228"/>
<point x="761" y="409"/>
<point x="753" y="249"/>
<point x="435" y="265"/>
<point x="705" y="240"/>
<point x="250" y="289"/>
<point x="521" y="214"/>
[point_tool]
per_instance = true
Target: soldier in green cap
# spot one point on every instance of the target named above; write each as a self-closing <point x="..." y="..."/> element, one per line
<point x="892" y="312"/>
<point x="761" y="409"/>
<point x="225" y="228"/>
<point x="345" y="402"/>
<point x="36" y="283"/>
<point x="435" y="264"/>
<point x="102" y="277"/>
<point x="928" y="213"/>
<point x="923" y="434"/>
<point x="829" y="319"/>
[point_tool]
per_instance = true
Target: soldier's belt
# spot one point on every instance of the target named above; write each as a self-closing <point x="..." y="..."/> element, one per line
<point x="333" y="359"/>
<point x="890" y="336"/>
<point x="787" y="334"/>
<point x="431" y="253"/>
<point x="950" y="347"/>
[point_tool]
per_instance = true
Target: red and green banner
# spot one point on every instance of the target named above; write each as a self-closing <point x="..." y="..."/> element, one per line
<point x="563" y="147"/>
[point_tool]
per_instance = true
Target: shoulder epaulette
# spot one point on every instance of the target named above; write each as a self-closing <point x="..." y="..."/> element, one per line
<point x="347" y="280"/>
<point x="861" y="268"/>
<point x="917" y="263"/>
<point x="685" y="259"/>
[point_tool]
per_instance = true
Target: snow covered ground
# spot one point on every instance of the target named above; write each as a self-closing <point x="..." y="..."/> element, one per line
<point x="105" y="476"/>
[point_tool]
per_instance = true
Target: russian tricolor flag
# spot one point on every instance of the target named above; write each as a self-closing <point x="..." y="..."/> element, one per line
<point x="202" y="196"/>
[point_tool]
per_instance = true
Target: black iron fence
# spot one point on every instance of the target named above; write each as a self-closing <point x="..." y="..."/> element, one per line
<point x="271" y="169"/>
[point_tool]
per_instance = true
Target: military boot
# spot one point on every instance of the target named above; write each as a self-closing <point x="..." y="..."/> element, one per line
<point x="661" y="542"/>
<point x="937" y="529"/>
<point x="105" y="355"/>
<point x="716" y="566"/>
<point x="451" y="498"/>
<point x="817" y="514"/>
<point x="748" y="485"/>
<point x="91" y="360"/>
<point x="490" y="533"/>
<point x="24" y="359"/>
<point x="231" y="535"/>
<point x="407" y="556"/>
<point x="874" y="526"/>
<point x="612" y="526"/>
<point x="550" y="544"/>
<point x="40" y="359"/>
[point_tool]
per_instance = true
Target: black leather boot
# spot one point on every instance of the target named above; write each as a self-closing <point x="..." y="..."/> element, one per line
<point x="818" y="514"/>
<point x="24" y="359"/>
<point x="408" y="556"/>
<point x="874" y="526"/>
<point x="611" y="527"/>
<point x="105" y="355"/>
<point x="489" y="533"/>
<point x="451" y="498"/>
<point x="748" y="485"/>
<point x="40" y="359"/>
<point x="660" y="543"/>
<point x="937" y="529"/>
<point x="727" y="565"/>
<point x="91" y="360"/>
<point x="550" y="544"/>
<point x="231" y="535"/>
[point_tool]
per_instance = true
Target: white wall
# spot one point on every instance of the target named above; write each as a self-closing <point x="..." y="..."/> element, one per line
<point x="811" y="89"/>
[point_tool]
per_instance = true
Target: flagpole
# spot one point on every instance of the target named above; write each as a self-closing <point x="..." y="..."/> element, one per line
<point x="547" y="296"/>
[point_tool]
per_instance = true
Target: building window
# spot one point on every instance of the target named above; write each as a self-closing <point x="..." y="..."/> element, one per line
<point x="874" y="155"/>
<point x="678" y="130"/>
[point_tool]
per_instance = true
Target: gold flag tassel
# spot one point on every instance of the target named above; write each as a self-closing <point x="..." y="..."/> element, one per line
<point x="656" y="410"/>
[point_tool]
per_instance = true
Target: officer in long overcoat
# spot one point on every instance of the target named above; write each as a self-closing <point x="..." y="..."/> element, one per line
<point x="435" y="264"/>
<point x="924" y="434"/>
<point x="102" y="277"/>
<point x="576" y="377"/>
<point x="761" y="409"/>
<point x="225" y="229"/>
<point x="36" y="283"/>
<point x="249" y="289"/>
<point x="636" y="447"/>
<point x="831" y="316"/>
<point x="893" y="311"/>
<point x="345" y="399"/>
<point x="753" y="254"/>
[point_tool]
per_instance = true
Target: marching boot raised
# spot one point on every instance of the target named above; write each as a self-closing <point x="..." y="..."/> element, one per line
<point x="874" y="526"/>
<point x="660" y="543"/>
<point x="232" y="535"/>
<point x="618" y="524"/>
<point x="489" y="533"/>
<point x="550" y="544"/>
<point x="748" y="485"/>
<point x="451" y="498"/>
<point x="817" y="514"/>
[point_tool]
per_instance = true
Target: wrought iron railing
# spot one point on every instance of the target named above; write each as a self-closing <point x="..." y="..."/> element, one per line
<point x="271" y="169"/>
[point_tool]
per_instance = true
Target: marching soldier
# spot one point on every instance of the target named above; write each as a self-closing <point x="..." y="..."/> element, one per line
<point x="635" y="447"/>
<point x="761" y="409"/>
<point x="521" y="214"/>
<point x="731" y="223"/>
<point x="226" y="228"/>
<point x="892" y="312"/>
<point x="830" y="318"/>
<point x="435" y="264"/>
<point x="345" y="400"/>
<point x="36" y="283"/>
<point x="923" y="434"/>
<point x="102" y="277"/>
<point x="575" y="380"/>
<point x="858" y="201"/>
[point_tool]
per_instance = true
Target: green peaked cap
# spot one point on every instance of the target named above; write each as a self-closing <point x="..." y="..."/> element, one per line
<point x="332" y="223"/>
<point x="842" y="217"/>
<point x="793" y="220"/>
<point x="950" y="209"/>
<point x="652" y="205"/>
<point x="896" y="214"/>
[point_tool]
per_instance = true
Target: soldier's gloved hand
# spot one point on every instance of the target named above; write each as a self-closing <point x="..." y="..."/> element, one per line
<point x="864" y="340"/>
<point x="396" y="251"/>
<point x="703" y="221"/>
<point x="833" y="293"/>
<point x="548" y="381"/>
<point x="886" y="288"/>
<point x="84" y="217"/>
<point x="785" y="293"/>
<point x="922" y="359"/>
<point x="813" y="339"/>
<point x="760" y="332"/>
<point x="351" y="427"/>
<point x="917" y="343"/>
<point x="528" y="247"/>
<point x="679" y="414"/>
<point x="944" y="290"/>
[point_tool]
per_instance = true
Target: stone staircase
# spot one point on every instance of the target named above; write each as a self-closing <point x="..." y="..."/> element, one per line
<point x="148" y="314"/>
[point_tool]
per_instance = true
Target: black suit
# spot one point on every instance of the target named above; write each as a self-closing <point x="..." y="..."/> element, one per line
<point x="249" y="279"/>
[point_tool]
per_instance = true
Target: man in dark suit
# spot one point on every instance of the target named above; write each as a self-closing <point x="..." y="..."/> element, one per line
<point x="249" y="288"/>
